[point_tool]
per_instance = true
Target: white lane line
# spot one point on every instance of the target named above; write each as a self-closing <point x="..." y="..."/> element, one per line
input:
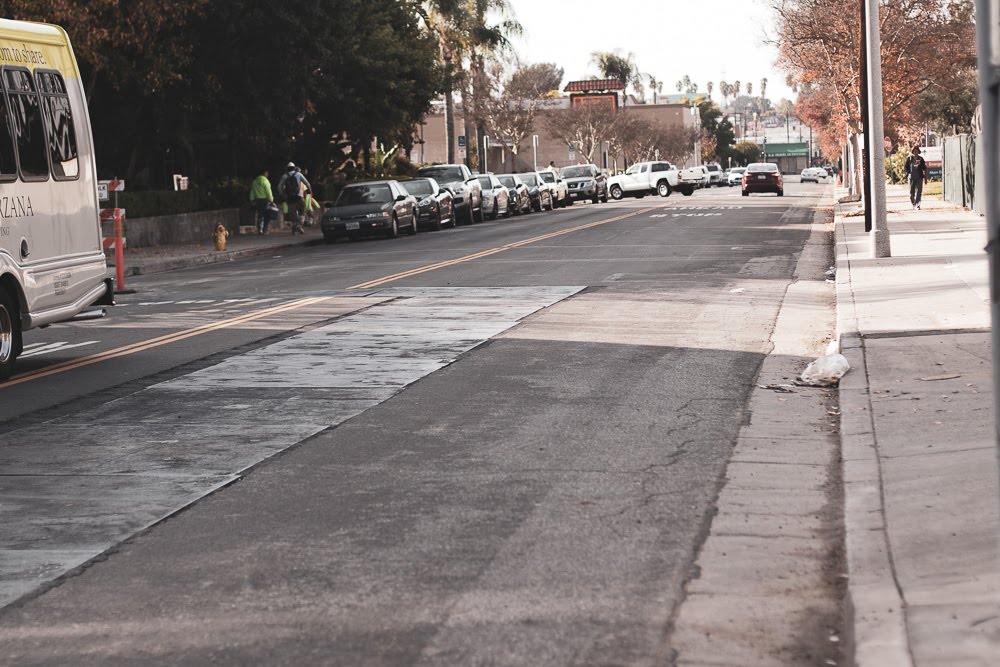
<point x="56" y="347"/>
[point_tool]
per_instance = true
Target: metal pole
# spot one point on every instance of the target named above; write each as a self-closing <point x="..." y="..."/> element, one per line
<point x="866" y="189"/>
<point x="987" y="33"/>
<point x="874" y="132"/>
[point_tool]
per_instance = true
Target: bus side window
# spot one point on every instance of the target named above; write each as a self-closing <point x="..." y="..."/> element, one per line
<point x="58" y="118"/>
<point x="29" y="134"/>
<point x="8" y="160"/>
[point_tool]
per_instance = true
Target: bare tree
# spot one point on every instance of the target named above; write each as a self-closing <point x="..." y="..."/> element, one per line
<point x="513" y="105"/>
<point x="584" y="127"/>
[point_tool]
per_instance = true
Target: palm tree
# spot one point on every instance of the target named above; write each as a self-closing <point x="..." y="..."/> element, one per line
<point x="710" y="85"/>
<point x="613" y="65"/>
<point x="750" y="88"/>
<point x="763" y="93"/>
<point x="443" y="18"/>
<point x="655" y="85"/>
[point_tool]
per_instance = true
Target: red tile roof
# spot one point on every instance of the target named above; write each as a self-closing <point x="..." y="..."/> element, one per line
<point x="593" y="85"/>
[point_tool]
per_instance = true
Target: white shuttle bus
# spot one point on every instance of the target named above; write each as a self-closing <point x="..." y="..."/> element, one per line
<point x="52" y="264"/>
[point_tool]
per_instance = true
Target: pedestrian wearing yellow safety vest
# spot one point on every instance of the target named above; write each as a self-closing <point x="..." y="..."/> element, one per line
<point x="260" y="197"/>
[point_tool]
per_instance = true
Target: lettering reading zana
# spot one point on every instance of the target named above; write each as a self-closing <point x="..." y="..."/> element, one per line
<point x="15" y="207"/>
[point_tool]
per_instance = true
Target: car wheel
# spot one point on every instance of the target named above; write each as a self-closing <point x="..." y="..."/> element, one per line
<point x="663" y="189"/>
<point x="412" y="229"/>
<point x="746" y="194"/>
<point x="10" y="334"/>
<point x="438" y="220"/>
<point x="604" y="197"/>
<point x="687" y="191"/>
<point x="393" y="231"/>
<point x="552" y="203"/>
<point x="781" y="193"/>
<point x="495" y="213"/>
<point x="481" y="216"/>
<point x="616" y="192"/>
<point x="568" y="202"/>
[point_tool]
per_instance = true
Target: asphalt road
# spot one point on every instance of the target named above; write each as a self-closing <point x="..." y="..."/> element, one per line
<point x="499" y="444"/>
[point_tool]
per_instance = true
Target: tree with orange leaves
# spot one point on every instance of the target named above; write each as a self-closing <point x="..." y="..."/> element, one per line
<point x="924" y="43"/>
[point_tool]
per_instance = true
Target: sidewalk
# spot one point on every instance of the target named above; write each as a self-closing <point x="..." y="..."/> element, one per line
<point x="922" y="505"/>
<point x="157" y="259"/>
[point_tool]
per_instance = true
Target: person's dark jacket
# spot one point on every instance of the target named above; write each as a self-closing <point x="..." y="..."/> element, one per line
<point x="916" y="163"/>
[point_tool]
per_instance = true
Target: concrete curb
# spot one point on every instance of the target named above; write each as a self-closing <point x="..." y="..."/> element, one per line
<point x="875" y="617"/>
<point x="212" y="257"/>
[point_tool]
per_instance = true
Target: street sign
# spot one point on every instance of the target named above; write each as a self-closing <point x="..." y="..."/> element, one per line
<point x="104" y="187"/>
<point x="888" y="145"/>
<point x="461" y="141"/>
<point x="461" y="152"/>
<point x="572" y="153"/>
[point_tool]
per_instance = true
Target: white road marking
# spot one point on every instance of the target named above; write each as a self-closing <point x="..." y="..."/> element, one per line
<point x="38" y="350"/>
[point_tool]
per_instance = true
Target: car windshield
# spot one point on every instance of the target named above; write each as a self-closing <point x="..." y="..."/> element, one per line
<point x="486" y="182"/>
<point x="547" y="176"/>
<point x="738" y="170"/>
<point x="420" y="188"/>
<point x="763" y="168"/>
<point x="713" y="167"/>
<point x="354" y="195"/>
<point x="529" y="179"/>
<point x="442" y="174"/>
<point x="507" y="181"/>
<point x="576" y="172"/>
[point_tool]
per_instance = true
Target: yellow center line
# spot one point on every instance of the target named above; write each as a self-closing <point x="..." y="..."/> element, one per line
<point x="492" y="251"/>
<point x="140" y="346"/>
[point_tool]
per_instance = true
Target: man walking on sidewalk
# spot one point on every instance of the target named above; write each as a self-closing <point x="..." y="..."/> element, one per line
<point x="260" y="197"/>
<point x="292" y="188"/>
<point x="916" y="171"/>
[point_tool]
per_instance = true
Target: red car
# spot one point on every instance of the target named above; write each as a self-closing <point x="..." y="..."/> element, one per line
<point x="763" y="177"/>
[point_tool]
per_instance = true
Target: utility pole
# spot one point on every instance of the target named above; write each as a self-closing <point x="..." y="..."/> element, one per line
<point x="988" y="42"/>
<point x="874" y="131"/>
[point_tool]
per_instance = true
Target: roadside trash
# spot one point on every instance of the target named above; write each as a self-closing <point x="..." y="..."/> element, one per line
<point x="825" y="371"/>
<point x="831" y="272"/>
<point x="780" y="388"/>
<point x="738" y="290"/>
<point x="946" y="376"/>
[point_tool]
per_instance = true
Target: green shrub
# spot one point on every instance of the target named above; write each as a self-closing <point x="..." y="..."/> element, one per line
<point x="228" y="193"/>
<point x="895" y="167"/>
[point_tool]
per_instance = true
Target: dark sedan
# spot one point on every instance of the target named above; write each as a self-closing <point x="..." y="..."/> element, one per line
<point x="375" y="208"/>
<point x="435" y="205"/>
<point x="541" y="198"/>
<point x="763" y="177"/>
<point x="517" y="192"/>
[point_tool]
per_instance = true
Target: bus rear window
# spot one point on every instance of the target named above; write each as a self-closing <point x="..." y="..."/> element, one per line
<point x="59" y="125"/>
<point x="26" y="114"/>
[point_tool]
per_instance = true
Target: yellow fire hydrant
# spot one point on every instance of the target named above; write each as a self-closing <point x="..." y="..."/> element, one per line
<point x="221" y="234"/>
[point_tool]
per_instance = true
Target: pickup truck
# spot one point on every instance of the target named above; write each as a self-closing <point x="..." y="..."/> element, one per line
<point x="695" y="177"/>
<point x="646" y="178"/>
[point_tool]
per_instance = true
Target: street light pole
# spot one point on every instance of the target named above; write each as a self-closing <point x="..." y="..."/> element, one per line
<point x="874" y="131"/>
<point x="988" y="42"/>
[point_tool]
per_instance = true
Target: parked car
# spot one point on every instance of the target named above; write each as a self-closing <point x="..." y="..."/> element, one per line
<point x="557" y="185"/>
<point x="813" y="175"/>
<point x="541" y="196"/>
<point x="735" y="175"/>
<point x="645" y="178"/>
<point x="695" y="177"/>
<point x="585" y="181"/>
<point x="520" y="200"/>
<point x="435" y="205"/>
<point x="496" y="199"/>
<point x="465" y="189"/>
<point x="763" y="177"/>
<point x="715" y="175"/>
<point x="375" y="208"/>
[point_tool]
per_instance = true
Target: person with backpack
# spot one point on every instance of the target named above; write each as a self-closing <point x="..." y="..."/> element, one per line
<point x="292" y="188"/>
<point x="260" y="197"/>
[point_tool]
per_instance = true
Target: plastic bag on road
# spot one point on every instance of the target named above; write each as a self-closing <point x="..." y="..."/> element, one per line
<point x="825" y="371"/>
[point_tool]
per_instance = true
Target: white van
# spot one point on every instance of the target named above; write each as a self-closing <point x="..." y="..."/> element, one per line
<point x="52" y="264"/>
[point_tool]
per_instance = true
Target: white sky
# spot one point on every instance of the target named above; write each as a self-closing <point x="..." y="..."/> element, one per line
<point x="709" y="40"/>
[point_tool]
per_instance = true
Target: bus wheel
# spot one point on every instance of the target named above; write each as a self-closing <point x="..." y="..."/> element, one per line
<point x="10" y="334"/>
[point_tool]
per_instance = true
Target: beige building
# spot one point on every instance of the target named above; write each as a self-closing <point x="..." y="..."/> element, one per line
<point x="431" y="145"/>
